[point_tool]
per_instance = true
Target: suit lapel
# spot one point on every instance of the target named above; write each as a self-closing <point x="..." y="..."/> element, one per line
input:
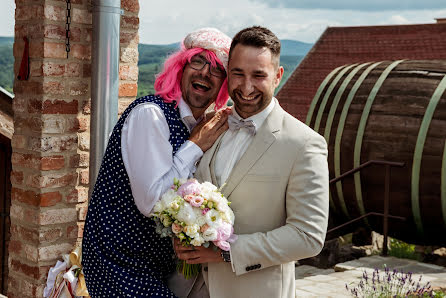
<point x="263" y="139"/>
<point x="212" y="164"/>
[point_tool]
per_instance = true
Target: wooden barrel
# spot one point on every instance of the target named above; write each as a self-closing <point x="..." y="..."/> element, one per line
<point x="394" y="111"/>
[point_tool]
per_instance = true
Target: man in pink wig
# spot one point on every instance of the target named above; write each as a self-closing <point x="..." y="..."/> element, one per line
<point x="157" y="138"/>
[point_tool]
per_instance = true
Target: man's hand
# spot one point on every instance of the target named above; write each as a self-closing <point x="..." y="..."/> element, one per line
<point x="196" y="254"/>
<point x="207" y="132"/>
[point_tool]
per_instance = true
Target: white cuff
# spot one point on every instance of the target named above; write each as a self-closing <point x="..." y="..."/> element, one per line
<point x="189" y="153"/>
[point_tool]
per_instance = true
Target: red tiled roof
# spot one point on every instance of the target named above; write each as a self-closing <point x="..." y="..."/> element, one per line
<point x="345" y="45"/>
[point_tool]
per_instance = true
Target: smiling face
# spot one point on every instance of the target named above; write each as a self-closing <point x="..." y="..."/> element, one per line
<point x="253" y="76"/>
<point x="199" y="88"/>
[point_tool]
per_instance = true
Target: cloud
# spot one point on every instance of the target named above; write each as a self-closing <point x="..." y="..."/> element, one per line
<point x="7" y="18"/>
<point x="162" y="24"/>
<point x="398" y="19"/>
<point x="169" y="21"/>
<point x="357" y="5"/>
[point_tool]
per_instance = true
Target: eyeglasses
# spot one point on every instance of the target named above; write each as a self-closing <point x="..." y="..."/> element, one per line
<point x="198" y="63"/>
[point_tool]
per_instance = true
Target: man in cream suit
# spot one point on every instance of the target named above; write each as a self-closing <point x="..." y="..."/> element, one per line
<point x="274" y="171"/>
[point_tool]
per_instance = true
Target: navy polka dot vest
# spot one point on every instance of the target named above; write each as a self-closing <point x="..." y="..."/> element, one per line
<point x="122" y="255"/>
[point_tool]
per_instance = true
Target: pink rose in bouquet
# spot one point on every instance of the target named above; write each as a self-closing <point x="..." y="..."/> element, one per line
<point x="224" y="231"/>
<point x="176" y="228"/>
<point x="196" y="201"/>
<point x="223" y="245"/>
<point x="191" y="187"/>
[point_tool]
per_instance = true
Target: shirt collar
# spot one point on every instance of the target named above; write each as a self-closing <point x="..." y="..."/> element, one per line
<point x="186" y="115"/>
<point x="260" y="117"/>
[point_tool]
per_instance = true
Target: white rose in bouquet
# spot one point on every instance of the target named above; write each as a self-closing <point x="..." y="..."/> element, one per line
<point x="186" y="214"/>
<point x="210" y="234"/>
<point x="191" y="230"/>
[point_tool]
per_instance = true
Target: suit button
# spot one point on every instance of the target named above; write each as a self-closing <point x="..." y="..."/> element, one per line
<point x="258" y="266"/>
<point x="249" y="268"/>
<point x="205" y="269"/>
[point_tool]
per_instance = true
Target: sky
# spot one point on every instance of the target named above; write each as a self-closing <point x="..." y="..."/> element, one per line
<point x="168" y="21"/>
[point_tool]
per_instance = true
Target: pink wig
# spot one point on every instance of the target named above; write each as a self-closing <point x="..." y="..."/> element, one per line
<point x="168" y="82"/>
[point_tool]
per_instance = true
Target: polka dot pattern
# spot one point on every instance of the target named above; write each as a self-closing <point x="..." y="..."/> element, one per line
<point x="122" y="255"/>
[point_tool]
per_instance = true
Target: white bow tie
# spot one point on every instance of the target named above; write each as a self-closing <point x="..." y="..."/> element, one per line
<point x="236" y="124"/>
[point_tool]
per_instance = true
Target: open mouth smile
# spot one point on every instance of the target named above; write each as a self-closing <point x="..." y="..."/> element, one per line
<point x="201" y="86"/>
<point x="248" y="98"/>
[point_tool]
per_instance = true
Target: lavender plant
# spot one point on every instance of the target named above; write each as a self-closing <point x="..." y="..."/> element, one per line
<point x="390" y="284"/>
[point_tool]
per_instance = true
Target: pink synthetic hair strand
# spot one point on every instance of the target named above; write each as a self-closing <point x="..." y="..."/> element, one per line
<point x="168" y="82"/>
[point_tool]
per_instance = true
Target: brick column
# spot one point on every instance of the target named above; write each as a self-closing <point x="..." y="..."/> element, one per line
<point x="128" y="66"/>
<point x="50" y="142"/>
<point x="51" y="139"/>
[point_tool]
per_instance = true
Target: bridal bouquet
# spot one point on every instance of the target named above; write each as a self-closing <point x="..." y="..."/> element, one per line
<point x="197" y="214"/>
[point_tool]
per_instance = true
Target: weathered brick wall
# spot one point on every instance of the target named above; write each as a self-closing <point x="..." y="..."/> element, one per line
<point x="128" y="66"/>
<point x="51" y="139"/>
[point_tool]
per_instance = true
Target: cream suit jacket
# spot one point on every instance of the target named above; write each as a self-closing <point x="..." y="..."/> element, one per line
<point x="279" y="194"/>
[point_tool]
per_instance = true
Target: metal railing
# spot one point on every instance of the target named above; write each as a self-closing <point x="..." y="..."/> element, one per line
<point x="385" y="215"/>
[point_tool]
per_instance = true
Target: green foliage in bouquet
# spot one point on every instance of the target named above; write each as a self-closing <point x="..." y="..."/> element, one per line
<point x="188" y="270"/>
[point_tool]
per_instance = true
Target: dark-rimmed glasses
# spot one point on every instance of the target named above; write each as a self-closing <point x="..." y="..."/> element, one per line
<point x="198" y="63"/>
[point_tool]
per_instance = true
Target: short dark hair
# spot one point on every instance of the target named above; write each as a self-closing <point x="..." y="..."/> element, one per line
<point x="258" y="37"/>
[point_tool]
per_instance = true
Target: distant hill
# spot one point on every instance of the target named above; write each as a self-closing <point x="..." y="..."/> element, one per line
<point x="154" y="53"/>
<point x="289" y="47"/>
<point x="294" y="48"/>
<point x="150" y="61"/>
<point x="6" y="40"/>
<point x="6" y="63"/>
<point x="289" y="64"/>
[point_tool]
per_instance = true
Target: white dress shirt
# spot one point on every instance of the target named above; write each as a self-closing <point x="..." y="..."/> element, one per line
<point x="147" y="153"/>
<point x="234" y="144"/>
